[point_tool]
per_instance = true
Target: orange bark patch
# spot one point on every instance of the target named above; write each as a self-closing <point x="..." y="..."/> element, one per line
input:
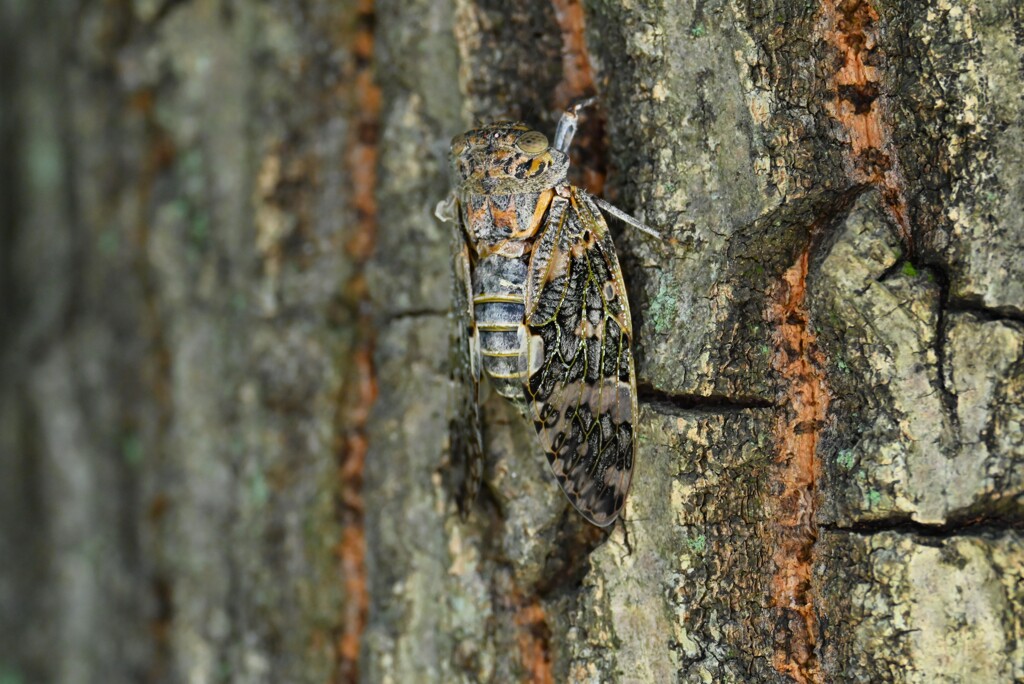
<point x="578" y="81"/>
<point x="362" y="155"/>
<point x="577" y="74"/>
<point x="858" y="104"/>
<point x="792" y="512"/>
<point x="532" y="638"/>
<point x="359" y="391"/>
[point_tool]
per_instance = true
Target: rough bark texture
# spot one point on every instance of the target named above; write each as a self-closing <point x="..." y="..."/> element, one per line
<point x="223" y="414"/>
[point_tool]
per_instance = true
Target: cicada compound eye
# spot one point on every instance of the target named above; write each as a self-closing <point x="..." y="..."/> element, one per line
<point x="459" y="144"/>
<point x="532" y="142"/>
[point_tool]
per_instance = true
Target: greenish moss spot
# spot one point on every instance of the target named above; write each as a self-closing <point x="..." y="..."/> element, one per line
<point x="258" y="490"/>
<point x="834" y="320"/>
<point x="874" y="498"/>
<point x="842" y="366"/>
<point x="107" y="242"/>
<point x="697" y="544"/>
<point x="698" y="31"/>
<point x="131" y="450"/>
<point x="662" y="309"/>
<point x="225" y="671"/>
<point x="909" y="270"/>
<point x="200" y="229"/>
<point x="8" y="675"/>
<point x="44" y="162"/>
<point x="179" y="209"/>
<point x="192" y="162"/>
<point x="845" y="459"/>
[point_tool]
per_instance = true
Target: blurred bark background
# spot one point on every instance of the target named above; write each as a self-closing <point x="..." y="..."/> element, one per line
<point x="223" y="344"/>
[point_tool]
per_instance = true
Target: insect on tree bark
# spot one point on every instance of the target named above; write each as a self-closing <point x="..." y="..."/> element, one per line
<point x="540" y="310"/>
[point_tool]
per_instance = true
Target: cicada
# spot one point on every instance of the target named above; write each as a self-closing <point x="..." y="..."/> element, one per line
<point x="540" y="310"/>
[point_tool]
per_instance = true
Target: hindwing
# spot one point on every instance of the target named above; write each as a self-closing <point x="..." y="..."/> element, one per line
<point x="581" y="385"/>
<point x="465" y="425"/>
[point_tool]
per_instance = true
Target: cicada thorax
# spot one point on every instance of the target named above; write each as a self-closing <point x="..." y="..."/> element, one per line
<point x="502" y="229"/>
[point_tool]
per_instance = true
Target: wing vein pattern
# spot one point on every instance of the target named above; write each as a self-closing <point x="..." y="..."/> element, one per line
<point x="581" y="383"/>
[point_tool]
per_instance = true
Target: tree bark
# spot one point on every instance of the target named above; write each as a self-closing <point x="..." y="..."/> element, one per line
<point x="223" y="415"/>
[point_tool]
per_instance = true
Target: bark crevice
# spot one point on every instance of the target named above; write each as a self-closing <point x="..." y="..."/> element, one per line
<point x="671" y="402"/>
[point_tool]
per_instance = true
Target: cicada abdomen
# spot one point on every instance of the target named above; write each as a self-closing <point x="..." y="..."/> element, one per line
<point x="503" y="227"/>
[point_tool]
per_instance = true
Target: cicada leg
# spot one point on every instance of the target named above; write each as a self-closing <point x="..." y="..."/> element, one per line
<point x="567" y="127"/>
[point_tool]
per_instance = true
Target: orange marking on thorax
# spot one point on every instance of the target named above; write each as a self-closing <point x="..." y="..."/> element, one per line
<point x="543" y="202"/>
<point x="477" y="215"/>
<point x="519" y="241"/>
<point x="504" y="218"/>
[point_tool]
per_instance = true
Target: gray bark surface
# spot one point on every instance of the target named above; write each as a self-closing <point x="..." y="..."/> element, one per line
<point x="224" y="344"/>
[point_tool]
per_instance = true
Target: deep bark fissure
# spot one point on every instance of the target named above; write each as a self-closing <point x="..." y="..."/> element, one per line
<point x="11" y="204"/>
<point x="983" y="526"/>
<point x="671" y="402"/>
<point x="569" y="559"/>
<point x="533" y="638"/>
<point x="949" y="398"/>
<point x="963" y="305"/>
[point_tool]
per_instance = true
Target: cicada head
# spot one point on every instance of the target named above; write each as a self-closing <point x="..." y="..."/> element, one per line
<point x="506" y="158"/>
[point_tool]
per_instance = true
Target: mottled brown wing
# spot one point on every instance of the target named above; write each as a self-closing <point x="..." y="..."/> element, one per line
<point x="581" y="384"/>
<point x="465" y="426"/>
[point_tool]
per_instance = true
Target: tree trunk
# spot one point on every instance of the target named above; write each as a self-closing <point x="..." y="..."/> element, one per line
<point x="223" y="415"/>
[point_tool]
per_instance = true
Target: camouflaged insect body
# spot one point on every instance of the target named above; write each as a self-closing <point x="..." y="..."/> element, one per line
<point x="542" y="312"/>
